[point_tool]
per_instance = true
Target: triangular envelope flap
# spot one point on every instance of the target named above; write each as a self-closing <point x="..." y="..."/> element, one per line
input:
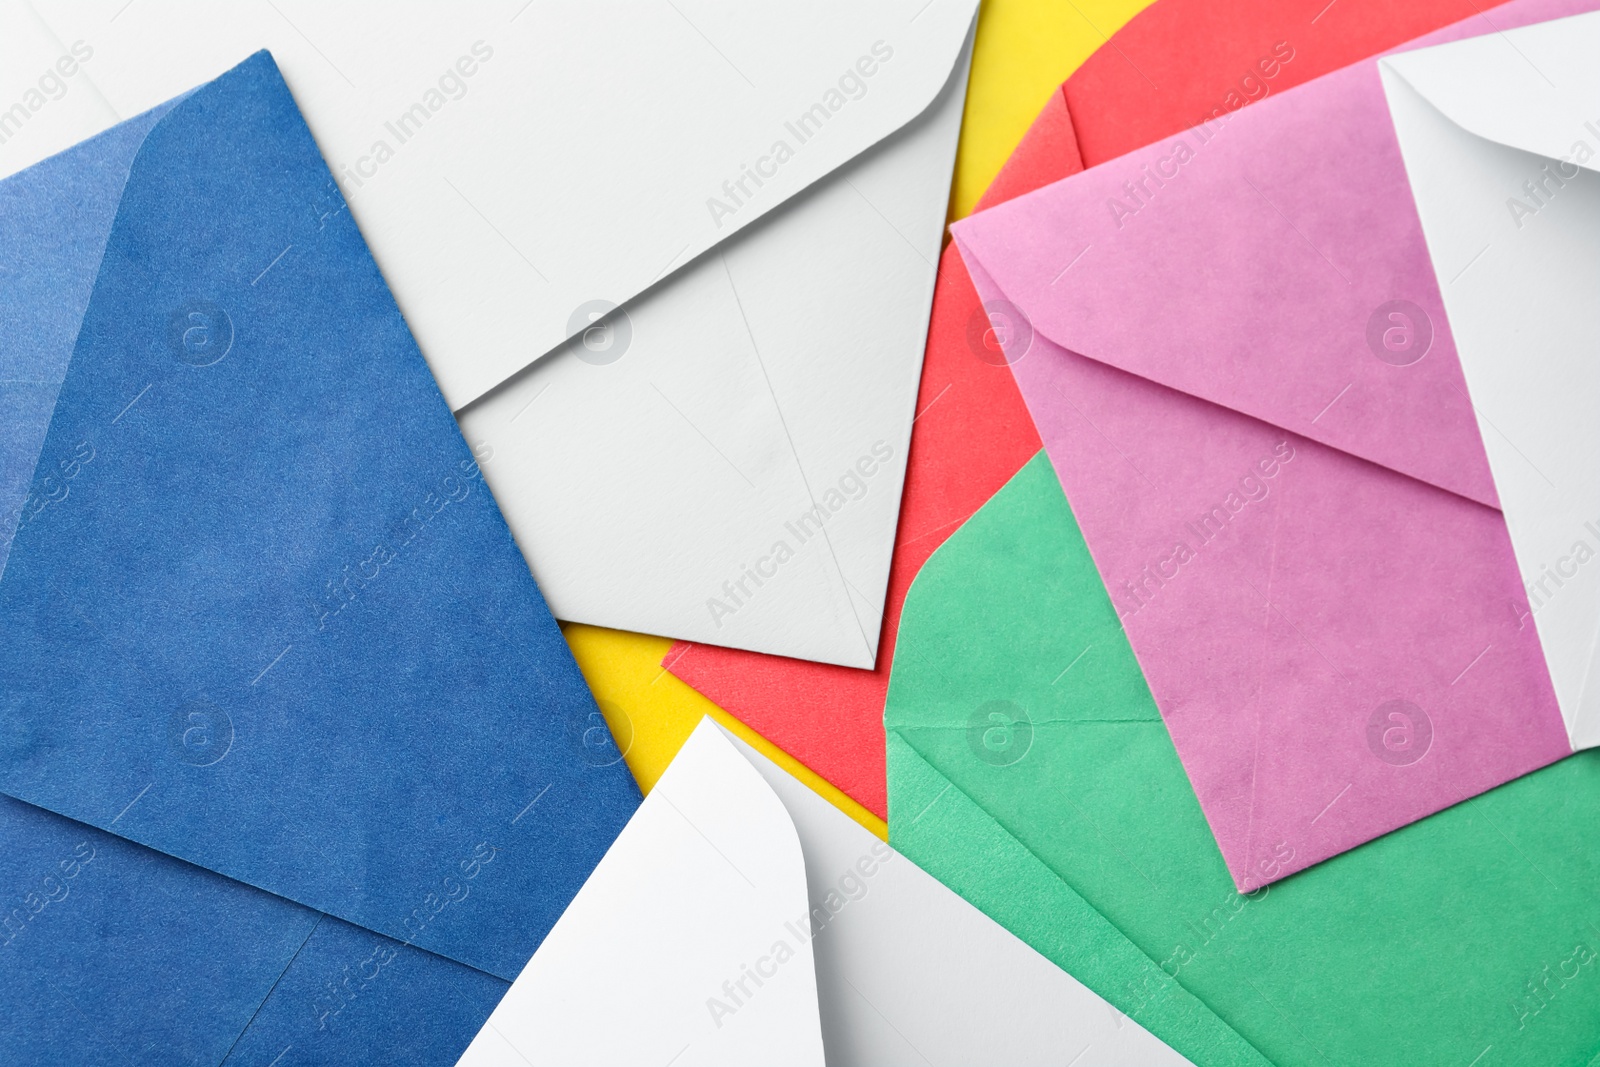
<point x="273" y="623"/>
<point x="705" y="886"/>
<point x="798" y="134"/>
<point x="512" y="163"/>
<point x="54" y="220"/>
<point x="1535" y="87"/>
<point x="904" y="960"/>
<point x="1271" y="262"/>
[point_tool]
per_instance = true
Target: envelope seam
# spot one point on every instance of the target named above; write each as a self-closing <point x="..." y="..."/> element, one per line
<point x="273" y="988"/>
<point x="872" y="654"/>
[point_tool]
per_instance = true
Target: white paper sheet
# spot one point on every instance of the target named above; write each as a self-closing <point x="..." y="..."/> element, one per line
<point x="651" y="481"/>
<point x="678" y="949"/>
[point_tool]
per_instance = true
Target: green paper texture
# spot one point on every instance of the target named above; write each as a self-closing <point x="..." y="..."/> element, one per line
<point x="1030" y="771"/>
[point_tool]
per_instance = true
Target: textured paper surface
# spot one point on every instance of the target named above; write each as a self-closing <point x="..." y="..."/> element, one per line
<point x="114" y="954"/>
<point x="1003" y="96"/>
<point x="967" y="444"/>
<point x="775" y="264"/>
<point x="752" y="414"/>
<point x="970" y="433"/>
<point x="471" y="101"/>
<point x="263" y="615"/>
<point x="1308" y="713"/>
<point x="1029" y="770"/>
<point x="1477" y="119"/>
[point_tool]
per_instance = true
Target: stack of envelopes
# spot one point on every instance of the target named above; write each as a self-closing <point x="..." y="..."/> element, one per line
<point x="1186" y="566"/>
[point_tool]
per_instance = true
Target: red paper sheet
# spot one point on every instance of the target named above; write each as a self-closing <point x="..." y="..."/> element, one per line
<point x="1168" y="68"/>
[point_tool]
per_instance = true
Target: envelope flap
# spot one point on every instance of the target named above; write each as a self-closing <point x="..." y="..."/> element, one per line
<point x="1529" y="87"/>
<point x="1485" y="890"/>
<point x="966" y="849"/>
<point x="55" y="218"/>
<point x="991" y="726"/>
<point x="1271" y="262"/>
<point x="267" y="618"/>
<point x="511" y="162"/>
<point x="706" y="881"/>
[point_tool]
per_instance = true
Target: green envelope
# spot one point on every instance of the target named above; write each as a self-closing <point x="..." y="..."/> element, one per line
<point x="1029" y="770"/>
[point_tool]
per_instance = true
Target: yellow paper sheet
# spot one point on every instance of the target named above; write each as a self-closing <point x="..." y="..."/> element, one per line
<point x="651" y="713"/>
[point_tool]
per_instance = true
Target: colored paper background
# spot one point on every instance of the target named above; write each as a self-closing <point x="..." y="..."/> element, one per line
<point x="1029" y="771"/>
<point x="970" y="435"/>
<point x="1024" y="49"/>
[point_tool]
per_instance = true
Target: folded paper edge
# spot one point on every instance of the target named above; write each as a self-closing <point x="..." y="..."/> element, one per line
<point x="11" y="523"/>
<point x="1193" y="1028"/>
<point x="1396" y="64"/>
<point x="953" y="68"/>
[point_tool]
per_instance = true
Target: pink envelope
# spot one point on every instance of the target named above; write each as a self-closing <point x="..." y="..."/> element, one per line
<point x="1240" y="365"/>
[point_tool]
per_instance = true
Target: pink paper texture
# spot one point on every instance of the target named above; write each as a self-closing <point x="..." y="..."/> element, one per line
<point x="1281" y="482"/>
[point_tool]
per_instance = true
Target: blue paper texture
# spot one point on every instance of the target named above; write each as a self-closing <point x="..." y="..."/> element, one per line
<point x="54" y="221"/>
<point x="356" y="997"/>
<point x="113" y="954"/>
<point x="260" y="611"/>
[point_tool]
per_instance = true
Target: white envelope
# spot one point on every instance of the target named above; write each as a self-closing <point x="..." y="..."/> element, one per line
<point x="47" y="105"/>
<point x="910" y="973"/>
<point x="712" y="933"/>
<point x="722" y="460"/>
<point x="669" y="953"/>
<point x="1501" y="140"/>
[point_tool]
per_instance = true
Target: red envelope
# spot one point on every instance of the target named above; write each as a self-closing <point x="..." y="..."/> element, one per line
<point x="1175" y="63"/>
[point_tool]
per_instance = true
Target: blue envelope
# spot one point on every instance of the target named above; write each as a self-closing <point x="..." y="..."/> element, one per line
<point x="261" y="617"/>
